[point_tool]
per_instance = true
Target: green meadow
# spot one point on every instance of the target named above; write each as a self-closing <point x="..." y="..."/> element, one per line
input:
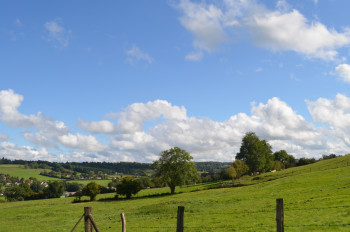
<point x="19" y="171"/>
<point x="316" y="198"/>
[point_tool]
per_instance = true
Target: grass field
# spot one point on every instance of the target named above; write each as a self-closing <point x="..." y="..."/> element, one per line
<point x="19" y="171"/>
<point x="316" y="198"/>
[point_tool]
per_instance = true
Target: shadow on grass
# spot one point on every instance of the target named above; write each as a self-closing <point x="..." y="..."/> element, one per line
<point x="137" y="197"/>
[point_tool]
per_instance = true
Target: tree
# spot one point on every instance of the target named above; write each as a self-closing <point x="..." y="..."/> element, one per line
<point x="91" y="190"/>
<point x="54" y="190"/>
<point x="255" y="153"/>
<point x="232" y="173"/>
<point x="175" y="167"/>
<point x="128" y="186"/>
<point x="286" y="159"/>
<point x="18" y="193"/>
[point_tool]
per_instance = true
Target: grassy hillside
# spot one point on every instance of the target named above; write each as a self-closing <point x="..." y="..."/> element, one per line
<point x="19" y="171"/>
<point x="316" y="198"/>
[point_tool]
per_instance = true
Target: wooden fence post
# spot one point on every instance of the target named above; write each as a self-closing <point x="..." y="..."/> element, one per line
<point x="279" y="215"/>
<point x="88" y="225"/>
<point x="123" y="222"/>
<point x="180" y="219"/>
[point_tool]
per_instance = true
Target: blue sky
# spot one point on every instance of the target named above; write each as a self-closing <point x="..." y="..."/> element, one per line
<point x="124" y="80"/>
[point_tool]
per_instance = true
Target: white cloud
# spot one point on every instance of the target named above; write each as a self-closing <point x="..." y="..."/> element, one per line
<point x="280" y="29"/>
<point x="142" y="130"/>
<point x="194" y="56"/>
<point x="103" y="126"/>
<point x="49" y="132"/>
<point x="135" y="55"/>
<point x="82" y="142"/>
<point x="335" y="112"/>
<point x="343" y="70"/>
<point x="13" y="151"/>
<point x="204" y="22"/>
<point x="39" y="140"/>
<point x="57" y="34"/>
<point x="292" y="31"/>
<point x="132" y="119"/>
<point x="205" y="138"/>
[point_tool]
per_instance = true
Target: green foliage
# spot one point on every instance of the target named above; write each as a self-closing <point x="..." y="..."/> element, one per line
<point x="175" y="167"/>
<point x="91" y="190"/>
<point x="305" y="161"/>
<point x="17" y="193"/>
<point x="54" y="190"/>
<point x="277" y="165"/>
<point x="145" y="182"/>
<point x="73" y="187"/>
<point x="287" y="160"/>
<point x="255" y="153"/>
<point x="128" y="186"/>
<point x="232" y="172"/>
<point x="240" y="167"/>
<point x="36" y="186"/>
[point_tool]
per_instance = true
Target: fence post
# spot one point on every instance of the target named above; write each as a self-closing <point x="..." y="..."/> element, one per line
<point x="180" y="219"/>
<point x="123" y="222"/>
<point x="279" y="215"/>
<point x="88" y="225"/>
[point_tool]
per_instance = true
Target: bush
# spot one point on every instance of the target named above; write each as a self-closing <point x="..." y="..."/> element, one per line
<point x="128" y="187"/>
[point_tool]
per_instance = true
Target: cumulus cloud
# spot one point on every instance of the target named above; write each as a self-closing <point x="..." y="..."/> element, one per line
<point x="335" y="112"/>
<point x="142" y="130"/>
<point x="82" y="142"/>
<point x="103" y="126"/>
<point x="343" y="70"/>
<point x="50" y="133"/>
<point x="336" y="115"/>
<point x="292" y="31"/>
<point x="135" y="55"/>
<point x="57" y="34"/>
<point x="204" y="22"/>
<point x="207" y="139"/>
<point x="13" y="151"/>
<point x="280" y="29"/>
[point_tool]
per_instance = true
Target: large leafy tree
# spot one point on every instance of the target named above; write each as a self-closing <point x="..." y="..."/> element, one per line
<point x="128" y="186"/>
<point x="175" y="167"/>
<point x="255" y="153"/>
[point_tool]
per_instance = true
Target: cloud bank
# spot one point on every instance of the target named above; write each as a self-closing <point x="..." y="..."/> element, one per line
<point x="142" y="130"/>
<point x="279" y="29"/>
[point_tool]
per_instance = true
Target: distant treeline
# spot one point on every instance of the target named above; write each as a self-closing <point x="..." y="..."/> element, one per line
<point x="127" y="168"/>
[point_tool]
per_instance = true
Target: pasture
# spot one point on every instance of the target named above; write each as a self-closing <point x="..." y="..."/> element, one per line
<point x="17" y="170"/>
<point x="316" y="198"/>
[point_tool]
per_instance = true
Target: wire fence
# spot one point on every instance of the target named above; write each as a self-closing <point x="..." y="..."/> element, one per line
<point x="172" y="225"/>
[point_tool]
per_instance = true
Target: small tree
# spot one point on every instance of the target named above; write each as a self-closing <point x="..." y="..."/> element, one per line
<point x="175" y="167"/>
<point x="240" y="167"/>
<point x="232" y="173"/>
<point x="91" y="190"/>
<point x="128" y="186"/>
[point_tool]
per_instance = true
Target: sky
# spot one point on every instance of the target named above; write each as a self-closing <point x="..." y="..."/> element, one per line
<point x="124" y="80"/>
